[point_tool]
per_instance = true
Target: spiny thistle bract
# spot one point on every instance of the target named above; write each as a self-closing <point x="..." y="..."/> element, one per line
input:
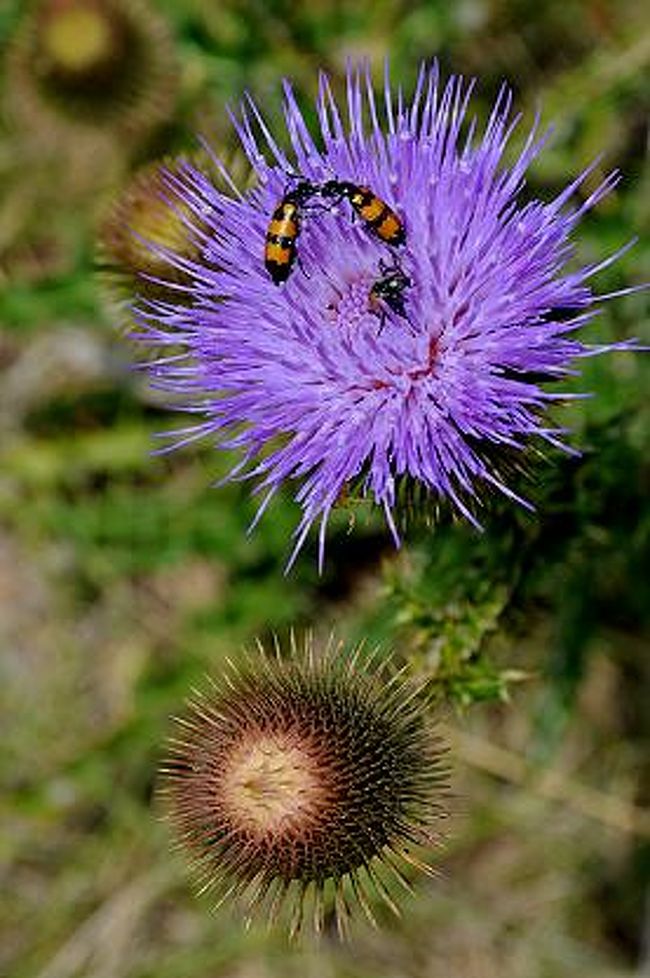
<point x="89" y="64"/>
<point x="306" y="783"/>
<point x="313" y="382"/>
<point x="146" y="225"/>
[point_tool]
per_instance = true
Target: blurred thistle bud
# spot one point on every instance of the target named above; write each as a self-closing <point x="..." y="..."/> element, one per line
<point x="148" y="234"/>
<point x="79" y="44"/>
<point x="306" y="784"/>
<point x="93" y="65"/>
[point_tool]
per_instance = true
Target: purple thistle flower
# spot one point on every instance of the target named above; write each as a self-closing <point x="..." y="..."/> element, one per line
<point x="306" y="379"/>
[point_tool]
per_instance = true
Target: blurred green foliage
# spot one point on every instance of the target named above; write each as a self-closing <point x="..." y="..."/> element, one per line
<point x="125" y="576"/>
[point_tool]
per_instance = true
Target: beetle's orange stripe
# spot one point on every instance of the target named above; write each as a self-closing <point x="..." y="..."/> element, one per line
<point x="286" y="228"/>
<point x="373" y="210"/>
<point x="389" y="227"/>
<point x="275" y="252"/>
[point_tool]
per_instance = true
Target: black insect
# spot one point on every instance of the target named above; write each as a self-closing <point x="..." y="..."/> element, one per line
<point x="388" y="291"/>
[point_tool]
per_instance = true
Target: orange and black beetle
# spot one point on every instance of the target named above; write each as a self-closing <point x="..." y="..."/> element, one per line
<point x="375" y="213"/>
<point x="282" y="234"/>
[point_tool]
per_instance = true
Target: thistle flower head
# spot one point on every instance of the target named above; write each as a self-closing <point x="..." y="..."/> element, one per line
<point x="376" y="360"/>
<point x="306" y="780"/>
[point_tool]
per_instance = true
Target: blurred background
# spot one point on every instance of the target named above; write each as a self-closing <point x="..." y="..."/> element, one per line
<point x="124" y="577"/>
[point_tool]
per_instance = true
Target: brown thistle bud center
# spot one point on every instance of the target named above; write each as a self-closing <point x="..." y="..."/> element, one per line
<point x="270" y="786"/>
<point x="77" y="38"/>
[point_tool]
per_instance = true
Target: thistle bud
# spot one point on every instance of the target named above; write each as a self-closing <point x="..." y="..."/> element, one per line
<point x="304" y="783"/>
<point x="91" y="64"/>
<point x="148" y="233"/>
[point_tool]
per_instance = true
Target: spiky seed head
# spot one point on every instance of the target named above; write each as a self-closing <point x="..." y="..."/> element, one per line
<point x="306" y="780"/>
<point x="91" y="64"/>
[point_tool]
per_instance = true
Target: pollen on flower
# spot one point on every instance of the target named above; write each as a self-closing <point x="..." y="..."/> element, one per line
<point x="350" y="305"/>
<point x="382" y="359"/>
